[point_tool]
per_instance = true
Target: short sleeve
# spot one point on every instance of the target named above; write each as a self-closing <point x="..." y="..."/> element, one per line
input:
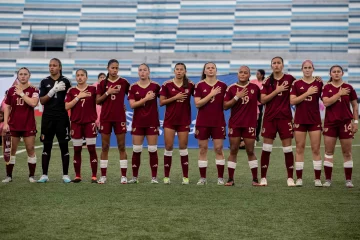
<point x="353" y="95"/>
<point x="42" y="88"/>
<point x="35" y="94"/>
<point x="158" y="90"/>
<point x="8" y="98"/>
<point x="69" y="97"/>
<point x="197" y="91"/>
<point x="228" y="95"/>
<point x="131" y="95"/>
<point x="325" y="92"/>
<point x="264" y="89"/>
<point x="99" y="88"/>
<point x="163" y="91"/>
<point x="67" y="84"/>
<point x="293" y="90"/>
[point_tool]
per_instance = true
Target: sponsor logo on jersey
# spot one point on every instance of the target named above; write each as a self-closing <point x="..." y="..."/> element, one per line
<point x="186" y="90"/>
<point x="123" y="124"/>
<point x="231" y="131"/>
<point x="296" y="125"/>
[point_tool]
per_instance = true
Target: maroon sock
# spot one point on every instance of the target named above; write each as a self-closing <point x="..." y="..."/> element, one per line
<point x="299" y="174"/>
<point x="231" y="172"/>
<point x="93" y="159"/>
<point x="328" y="166"/>
<point x="348" y="173"/>
<point x="103" y="171"/>
<point x="203" y="172"/>
<point x="185" y="165"/>
<point x="254" y="172"/>
<point x="167" y="165"/>
<point x="9" y="170"/>
<point x="77" y="161"/>
<point x="289" y="163"/>
<point x="220" y="168"/>
<point x="32" y="167"/>
<point x="264" y="161"/>
<point x="317" y="174"/>
<point x="136" y="163"/>
<point x="154" y="161"/>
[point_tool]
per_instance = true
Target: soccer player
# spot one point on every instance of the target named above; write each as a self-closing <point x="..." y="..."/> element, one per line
<point x="339" y="122"/>
<point x="20" y="102"/>
<point x="101" y="77"/>
<point x="260" y="76"/>
<point x="305" y="94"/>
<point x="143" y="99"/>
<point x="55" y="119"/>
<point x="242" y="98"/>
<point x="175" y="94"/>
<point x="275" y="94"/>
<point x="110" y="94"/>
<point x="81" y="100"/>
<point x="210" y="121"/>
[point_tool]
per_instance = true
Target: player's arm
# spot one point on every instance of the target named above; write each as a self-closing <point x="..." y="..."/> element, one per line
<point x="239" y="94"/>
<point x="355" y="123"/>
<point x="328" y="101"/>
<point x="180" y="96"/>
<point x="268" y="97"/>
<point x="199" y="102"/>
<point x="7" y="109"/>
<point x="294" y="100"/>
<point x="101" y="98"/>
<point x="135" y="104"/>
<point x="31" y="101"/>
<point x="58" y="87"/>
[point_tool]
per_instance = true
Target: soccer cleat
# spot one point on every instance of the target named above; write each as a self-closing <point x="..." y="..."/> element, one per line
<point x="94" y="180"/>
<point x="32" y="180"/>
<point x="123" y="180"/>
<point x="102" y="180"/>
<point x="318" y="183"/>
<point x="7" y="180"/>
<point x="154" y="180"/>
<point x="43" y="179"/>
<point x="299" y="182"/>
<point x="349" y="184"/>
<point x="327" y="183"/>
<point x="202" y="181"/>
<point x="263" y="182"/>
<point x="166" y="180"/>
<point x="134" y="180"/>
<point x="255" y="182"/>
<point x="290" y="182"/>
<point x="185" y="181"/>
<point x="76" y="180"/>
<point x="230" y="182"/>
<point x="66" y="179"/>
<point x="220" y="182"/>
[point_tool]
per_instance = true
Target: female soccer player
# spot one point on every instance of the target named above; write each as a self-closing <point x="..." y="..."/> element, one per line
<point x="242" y="97"/>
<point x="275" y="94"/>
<point x="260" y="76"/>
<point x="101" y="77"/>
<point x="210" y="121"/>
<point x="339" y="122"/>
<point x="82" y="102"/>
<point x="111" y="93"/>
<point x="143" y="99"/>
<point x="55" y="119"/>
<point x="20" y="102"/>
<point x="305" y="94"/>
<point x="175" y="94"/>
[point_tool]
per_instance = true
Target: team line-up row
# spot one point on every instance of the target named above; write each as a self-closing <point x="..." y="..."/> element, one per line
<point x="101" y="107"/>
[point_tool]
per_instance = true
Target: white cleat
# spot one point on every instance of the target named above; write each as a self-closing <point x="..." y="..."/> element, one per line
<point x="123" y="180"/>
<point x="32" y="180"/>
<point x="220" y="182"/>
<point x="102" y="180"/>
<point x="318" y="183"/>
<point x="349" y="184"/>
<point x="133" y="180"/>
<point x="66" y="179"/>
<point x="7" y="180"/>
<point x="327" y="183"/>
<point x="290" y="182"/>
<point x="166" y="180"/>
<point x="263" y="182"/>
<point x="154" y="180"/>
<point x="299" y="182"/>
<point x="43" y="179"/>
<point x="202" y="181"/>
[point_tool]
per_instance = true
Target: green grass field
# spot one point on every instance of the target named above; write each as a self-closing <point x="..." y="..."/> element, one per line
<point x="145" y="211"/>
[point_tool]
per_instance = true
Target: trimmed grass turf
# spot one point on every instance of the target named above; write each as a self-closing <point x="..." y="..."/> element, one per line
<point x="145" y="211"/>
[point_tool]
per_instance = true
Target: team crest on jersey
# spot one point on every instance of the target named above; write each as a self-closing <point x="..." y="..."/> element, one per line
<point x="137" y="93"/>
<point x="286" y="82"/>
<point x="204" y="90"/>
<point x="173" y="90"/>
<point x="326" y="129"/>
<point x="231" y="131"/>
<point x="296" y="125"/>
<point x="186" y="90"/>
<point x="302" y="88"/>
<point x="252" y="91"/>
<point x="123" y="124"/>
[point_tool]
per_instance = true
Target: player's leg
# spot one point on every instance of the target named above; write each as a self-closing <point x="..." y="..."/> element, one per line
<point x="183" y="137"/>
<point x="63" y="136"/>
<point x="300" y="139"/>
<point x="285" y="129"/>
<point x="268" y="133"/>
<point x="346" y="137"/>
<point x="90" y="133"/>
<point x="106" y="128"/>
<point x="15" y="139"/>
<point x="252" y="160"/>
<point x="218" y="135"/>
<point x="46" y="137"/>
<point x="329" y="143"/>
<point x="315" y="139"/>
<point x="120" y="132"/>
<point x="137" y="140"/>
<point x="77" y="140"/>
<point x="234" y="141"/>
<point x="152" y="141"/>
<point x="202" y="134"/>
<point x="169" y="135"/>
<point x="29" y="141"/>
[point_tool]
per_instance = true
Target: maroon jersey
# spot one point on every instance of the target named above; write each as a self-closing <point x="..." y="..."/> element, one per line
<point x="339" y="111"/>
<point x="84" y="110"/>
<point x="307" y="112"/>
<point x="22" y="116"/>
<point x="177" y="112"/>
<point x="113" y="107"/>
<point x="147" y="115"/>
<point x="244" y="111"/>
<point x="279" y="106"/>
<point x="212" y="113"/>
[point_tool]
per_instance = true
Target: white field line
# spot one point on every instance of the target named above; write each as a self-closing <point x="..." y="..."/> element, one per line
<point x="24" y="150"/>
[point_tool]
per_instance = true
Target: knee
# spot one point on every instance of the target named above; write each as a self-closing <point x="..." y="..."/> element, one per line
<point x="105" y="147"/>
<point x="300" y="148"/>
<point x="218" y="150"/>
<point x="121" y="147"/>
<point x="169" y="147"/>
<point x="347" y="154"/>
<point x="234" y="150"/>
<point x="316" y="152"/>
<point x="203" y="149"/>
<point x="250" y="152"/>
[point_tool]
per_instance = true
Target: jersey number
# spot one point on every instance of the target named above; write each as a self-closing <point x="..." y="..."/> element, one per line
<point x="82" y="102"/>
<point x="347" y="128"/>
<point x="94" y="128"/>
<point x="19" y="101"/>
<point x="245" y="100"/>
<point x="308" y="98"/>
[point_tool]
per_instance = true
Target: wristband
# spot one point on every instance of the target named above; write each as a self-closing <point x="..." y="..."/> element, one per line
<point x="106" y="93"/>
<point x="22" y="94"/>
<point x="236" y="98"/>
<point x="77" y="99"/>
<point x="356" y="121"/>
